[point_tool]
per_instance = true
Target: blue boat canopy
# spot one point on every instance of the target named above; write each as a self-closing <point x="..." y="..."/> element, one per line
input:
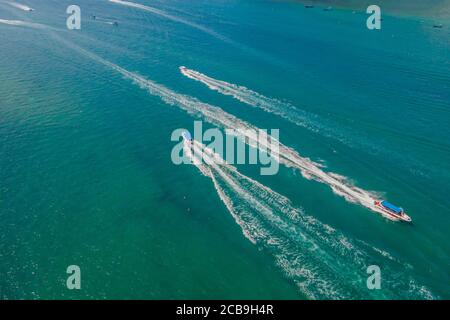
<point x="187" y="135"/>
<point x="391" y="207"/>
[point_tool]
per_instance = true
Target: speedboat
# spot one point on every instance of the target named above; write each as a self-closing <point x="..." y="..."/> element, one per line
<point x="187" y="136"/>
<point x="391" y="211"/>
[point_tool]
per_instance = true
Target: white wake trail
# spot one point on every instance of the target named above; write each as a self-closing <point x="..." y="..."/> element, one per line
<point x="253" y="211"/>
<point x="316" y="257"/>
<point x="308" y="120"/>
<point x="255" y="99"/>
<point x="289" y="112"/>
<point x="201" y="28"/>
<point x="22" y="23"/>
<point x="171" y="17"/>
<point x="20" y="6"/>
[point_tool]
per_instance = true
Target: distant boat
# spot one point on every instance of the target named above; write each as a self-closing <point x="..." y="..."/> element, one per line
<point x="437" y="26"/>
<point x="328" y="9"/>
<point x="115" y="24"/>
<point x="187" y="136"/>
<point x="308" y="6"/>
<point x="392" y="211"/>
<point x="21" y="6"/>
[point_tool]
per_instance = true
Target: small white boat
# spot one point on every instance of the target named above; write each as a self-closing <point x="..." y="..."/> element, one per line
<point x="187" y="136"/>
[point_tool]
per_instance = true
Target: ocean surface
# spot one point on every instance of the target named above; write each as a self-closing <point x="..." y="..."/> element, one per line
<point x="86" y="176"/>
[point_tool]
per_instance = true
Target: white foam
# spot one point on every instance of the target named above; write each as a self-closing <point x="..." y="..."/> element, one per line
<point x="201" y="28"/>
<point x="22" y="23"/>
<point x="169" y="16"/>
<point x="20" y="6"/>
<point x="313" y="122"/>
<point x="285" y="110"/>
<point x="319" y="259"/>
<point x="255" y="208"/>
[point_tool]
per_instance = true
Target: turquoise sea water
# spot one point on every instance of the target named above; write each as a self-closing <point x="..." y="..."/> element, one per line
<point x="86" y="176"/>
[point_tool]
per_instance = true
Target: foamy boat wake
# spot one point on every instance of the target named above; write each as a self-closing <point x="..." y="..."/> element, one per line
<point x="21" y="23"/>
<point x="199" y="27"/>
<point x="282" y="109"/>
<point x="171" y="17"/>
<point x="314" y="255"/>
<point x="20" y="6"/>
<point x="253" y="99"/>
<point x="310" y="121"/>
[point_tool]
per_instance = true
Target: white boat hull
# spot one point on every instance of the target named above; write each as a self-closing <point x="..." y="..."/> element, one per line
<point x="391" y="215"/>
